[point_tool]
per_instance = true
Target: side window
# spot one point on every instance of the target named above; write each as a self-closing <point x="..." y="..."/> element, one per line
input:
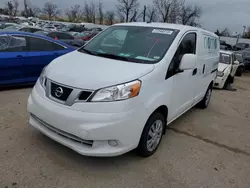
<point x="36" y="44"/>
<point x="187" y="46"/>
<point x="10" y="43"/>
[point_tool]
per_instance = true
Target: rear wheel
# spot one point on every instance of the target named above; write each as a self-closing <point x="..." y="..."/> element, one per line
<point x="205" y="101"/>
<point x="151" y="135"/>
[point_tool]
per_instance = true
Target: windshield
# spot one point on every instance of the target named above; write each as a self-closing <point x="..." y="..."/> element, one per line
<point x="132" y="43"/>
<point x="225" y="58"/>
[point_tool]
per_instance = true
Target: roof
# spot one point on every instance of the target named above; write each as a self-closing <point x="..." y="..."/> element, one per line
<point x="34" y="35"/>
<point x="226" y="52"/>
<point x="164" y="25"/>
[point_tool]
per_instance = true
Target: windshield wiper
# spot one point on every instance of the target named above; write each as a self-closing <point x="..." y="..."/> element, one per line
<point x="112" y="56"/>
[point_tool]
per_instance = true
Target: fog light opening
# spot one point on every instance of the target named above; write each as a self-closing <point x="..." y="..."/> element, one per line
<point x="113" y="143"/>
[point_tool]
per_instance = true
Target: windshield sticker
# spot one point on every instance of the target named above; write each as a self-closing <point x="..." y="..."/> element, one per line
<point x="157" y="57"/>
<point x="162" y="31"/>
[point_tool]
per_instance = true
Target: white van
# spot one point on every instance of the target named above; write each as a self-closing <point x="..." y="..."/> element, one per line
<point x="227" y="69"/>
<point x="119" y="91"/>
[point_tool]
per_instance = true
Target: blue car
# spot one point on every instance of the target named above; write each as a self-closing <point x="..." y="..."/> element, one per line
<point x="24" y="55"/>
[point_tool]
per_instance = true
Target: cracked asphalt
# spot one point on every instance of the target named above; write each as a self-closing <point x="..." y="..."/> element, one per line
<point x="203" y="148"/>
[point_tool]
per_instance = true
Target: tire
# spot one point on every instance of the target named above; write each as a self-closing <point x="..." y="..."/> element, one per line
<point x="239" y="71"/>
<point x="225" y="84"/>
<point x="205" y="101"/>
<point x="153" y="132"/>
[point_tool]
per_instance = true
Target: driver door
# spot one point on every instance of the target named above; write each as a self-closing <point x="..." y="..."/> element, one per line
<point x="185" y="83"/>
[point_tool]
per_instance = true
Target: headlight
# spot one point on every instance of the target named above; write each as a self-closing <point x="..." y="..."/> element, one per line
<point x="220" y="74"/>
<point x="118" y="92"/>
<point x="42" y="77"/>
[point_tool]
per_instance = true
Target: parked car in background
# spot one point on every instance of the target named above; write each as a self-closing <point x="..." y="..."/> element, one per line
<point x="4" y="25"/>
<point x="246" y="58"/>
<point x="24" y="55"/>
<point x="23" y="28"/>
<point x="240" y="46"/>
<point x="241" y="67"/>
<point x="106" y="99"/>
<point x="82" y="34"/>
<point x="51" y="28"/>
<point x="65" y="37"/>
<point x="90" y="35"/>
<point x="227" y="67"/>
<point x="225" y="46"/>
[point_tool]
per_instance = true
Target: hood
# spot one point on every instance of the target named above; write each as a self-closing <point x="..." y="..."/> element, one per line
<point x="86" y="71"/>
<point x="222" y="67"/>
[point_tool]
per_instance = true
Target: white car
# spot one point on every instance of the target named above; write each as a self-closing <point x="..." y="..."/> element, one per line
<point x="227" y="67"/>
<point x="112" y="96"/>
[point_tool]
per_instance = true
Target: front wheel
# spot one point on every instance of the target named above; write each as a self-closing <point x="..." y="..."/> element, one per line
<point x="205" y="101"/>
<point x="151" y="135"/>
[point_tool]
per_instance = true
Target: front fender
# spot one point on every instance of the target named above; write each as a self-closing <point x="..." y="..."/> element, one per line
<point x="156" y="101"/>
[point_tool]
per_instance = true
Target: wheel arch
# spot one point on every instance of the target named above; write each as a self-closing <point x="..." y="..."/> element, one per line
<point x="163" y="109"/>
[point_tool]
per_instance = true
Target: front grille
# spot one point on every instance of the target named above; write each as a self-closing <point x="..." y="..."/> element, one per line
<point x="84" y="95"/>
<point x="63" y="133"/>
<point x="60" y="92"/>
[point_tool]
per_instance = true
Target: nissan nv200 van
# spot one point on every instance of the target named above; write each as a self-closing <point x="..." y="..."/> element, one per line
<point x="120" y="91"/>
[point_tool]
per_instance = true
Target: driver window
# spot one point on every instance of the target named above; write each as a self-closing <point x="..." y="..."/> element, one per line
<point x="187" y="46"/>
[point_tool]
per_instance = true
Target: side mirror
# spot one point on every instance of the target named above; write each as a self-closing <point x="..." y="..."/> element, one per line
<point x="188" y="62"/>
<point x="236" y="63"/>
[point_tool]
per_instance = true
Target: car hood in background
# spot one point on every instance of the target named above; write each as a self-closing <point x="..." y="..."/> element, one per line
<point x="222" y="67"/>
<point x="91" y="72"/>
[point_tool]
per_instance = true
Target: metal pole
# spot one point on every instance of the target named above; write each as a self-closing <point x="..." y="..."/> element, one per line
<point x="244" y="28"/>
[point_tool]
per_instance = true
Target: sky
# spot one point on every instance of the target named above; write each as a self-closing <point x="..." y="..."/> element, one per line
<point x="216" y="14"/>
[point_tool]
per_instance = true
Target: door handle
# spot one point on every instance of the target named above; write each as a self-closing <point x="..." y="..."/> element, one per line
<point x="195" y="71"/>
<point x="19" y="56"/>
<point x="56" y="53"/>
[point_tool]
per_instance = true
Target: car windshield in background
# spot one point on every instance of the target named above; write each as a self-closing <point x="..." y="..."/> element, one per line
<point x="132" y="43"/>
<point x="224" y="58"/>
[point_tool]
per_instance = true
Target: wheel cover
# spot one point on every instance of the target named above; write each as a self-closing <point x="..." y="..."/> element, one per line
<point x="154" y="135"/>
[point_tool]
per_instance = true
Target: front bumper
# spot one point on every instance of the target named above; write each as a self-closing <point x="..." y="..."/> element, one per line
<point x="73" y="127"/>
<point x="219" y="82"/>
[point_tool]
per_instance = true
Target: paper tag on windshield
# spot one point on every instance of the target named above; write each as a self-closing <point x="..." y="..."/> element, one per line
<point x="162" y="31"/>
